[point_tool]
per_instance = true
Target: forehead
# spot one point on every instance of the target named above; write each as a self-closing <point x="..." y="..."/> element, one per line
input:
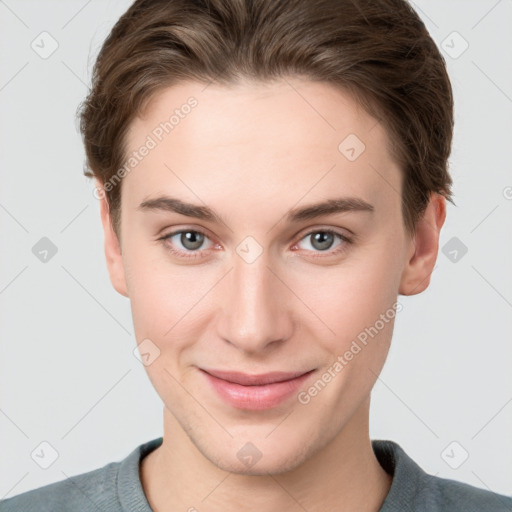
<point x="281" y="139"/>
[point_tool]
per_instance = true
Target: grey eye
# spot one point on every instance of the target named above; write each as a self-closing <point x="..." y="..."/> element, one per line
<point x="322" y="240"/>
<point x="191" y="240"/>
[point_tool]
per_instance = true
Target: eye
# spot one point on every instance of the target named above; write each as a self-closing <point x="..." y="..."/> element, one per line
<point x="190" y="240"/>
<point x="322" y="240"/>
<point x="189" y="243"/>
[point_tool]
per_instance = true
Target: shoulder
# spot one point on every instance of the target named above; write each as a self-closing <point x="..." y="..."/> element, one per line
<point x="94" y="490"/>
<point x="412" y="489"/>
<point x="454" y="495"/>
<point x="115" y="487"/>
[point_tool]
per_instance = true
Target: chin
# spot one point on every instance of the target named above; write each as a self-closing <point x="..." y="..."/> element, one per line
<point x="250" y="460"/>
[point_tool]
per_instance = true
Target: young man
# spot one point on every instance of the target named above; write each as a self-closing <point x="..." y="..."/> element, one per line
<point x="272" y="175"/>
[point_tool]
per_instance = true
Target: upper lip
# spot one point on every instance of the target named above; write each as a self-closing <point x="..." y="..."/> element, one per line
<point x="255" y="380"/>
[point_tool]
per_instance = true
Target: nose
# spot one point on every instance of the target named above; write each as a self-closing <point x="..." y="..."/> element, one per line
<point x="255" y="315"/>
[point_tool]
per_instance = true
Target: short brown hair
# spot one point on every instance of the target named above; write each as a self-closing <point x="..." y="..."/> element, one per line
<point x="378" y="50"/>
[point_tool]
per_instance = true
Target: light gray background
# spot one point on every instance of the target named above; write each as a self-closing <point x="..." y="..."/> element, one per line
<point x="68" y="373"/>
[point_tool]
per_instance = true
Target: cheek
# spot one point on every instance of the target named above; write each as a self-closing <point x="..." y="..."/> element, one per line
<point x="165" y="298"/>
<point x="352" y="296"/>
<point x="154" y="289"/>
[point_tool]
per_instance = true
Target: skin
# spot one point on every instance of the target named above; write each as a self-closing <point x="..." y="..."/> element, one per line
<point x="252" y="152"/>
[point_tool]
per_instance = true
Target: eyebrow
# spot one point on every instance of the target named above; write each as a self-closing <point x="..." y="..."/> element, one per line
<point x="328" y="207"/>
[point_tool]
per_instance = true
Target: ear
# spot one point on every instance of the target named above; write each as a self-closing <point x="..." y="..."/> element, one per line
<point x="423" y="248"/>
<point x="112" y="246"/>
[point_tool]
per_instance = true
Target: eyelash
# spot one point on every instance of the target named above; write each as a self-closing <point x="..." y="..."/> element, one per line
<point x="197" y="254"/>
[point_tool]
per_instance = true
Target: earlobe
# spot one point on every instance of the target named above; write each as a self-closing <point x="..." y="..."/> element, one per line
<point x="424" y="248"/>
<point x="113" y="255"/>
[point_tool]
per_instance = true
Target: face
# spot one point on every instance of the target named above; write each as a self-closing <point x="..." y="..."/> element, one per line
<point x="229" y="267"/>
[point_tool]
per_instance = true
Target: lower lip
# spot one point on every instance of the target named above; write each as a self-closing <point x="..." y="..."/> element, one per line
<point x="256" y="398"/>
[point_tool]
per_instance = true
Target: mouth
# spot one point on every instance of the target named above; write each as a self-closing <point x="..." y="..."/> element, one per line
<point x="255" y="392"/>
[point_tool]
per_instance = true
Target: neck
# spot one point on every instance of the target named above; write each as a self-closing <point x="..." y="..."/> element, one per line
<point x="344" y="475"/>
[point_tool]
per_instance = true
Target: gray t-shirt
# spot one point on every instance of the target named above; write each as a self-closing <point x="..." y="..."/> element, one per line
<point x="116" y="487"/>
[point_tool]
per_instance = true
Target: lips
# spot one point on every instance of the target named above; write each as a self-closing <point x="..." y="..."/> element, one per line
<point x="245" y="379"/>
<point x="255" y="392"/>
